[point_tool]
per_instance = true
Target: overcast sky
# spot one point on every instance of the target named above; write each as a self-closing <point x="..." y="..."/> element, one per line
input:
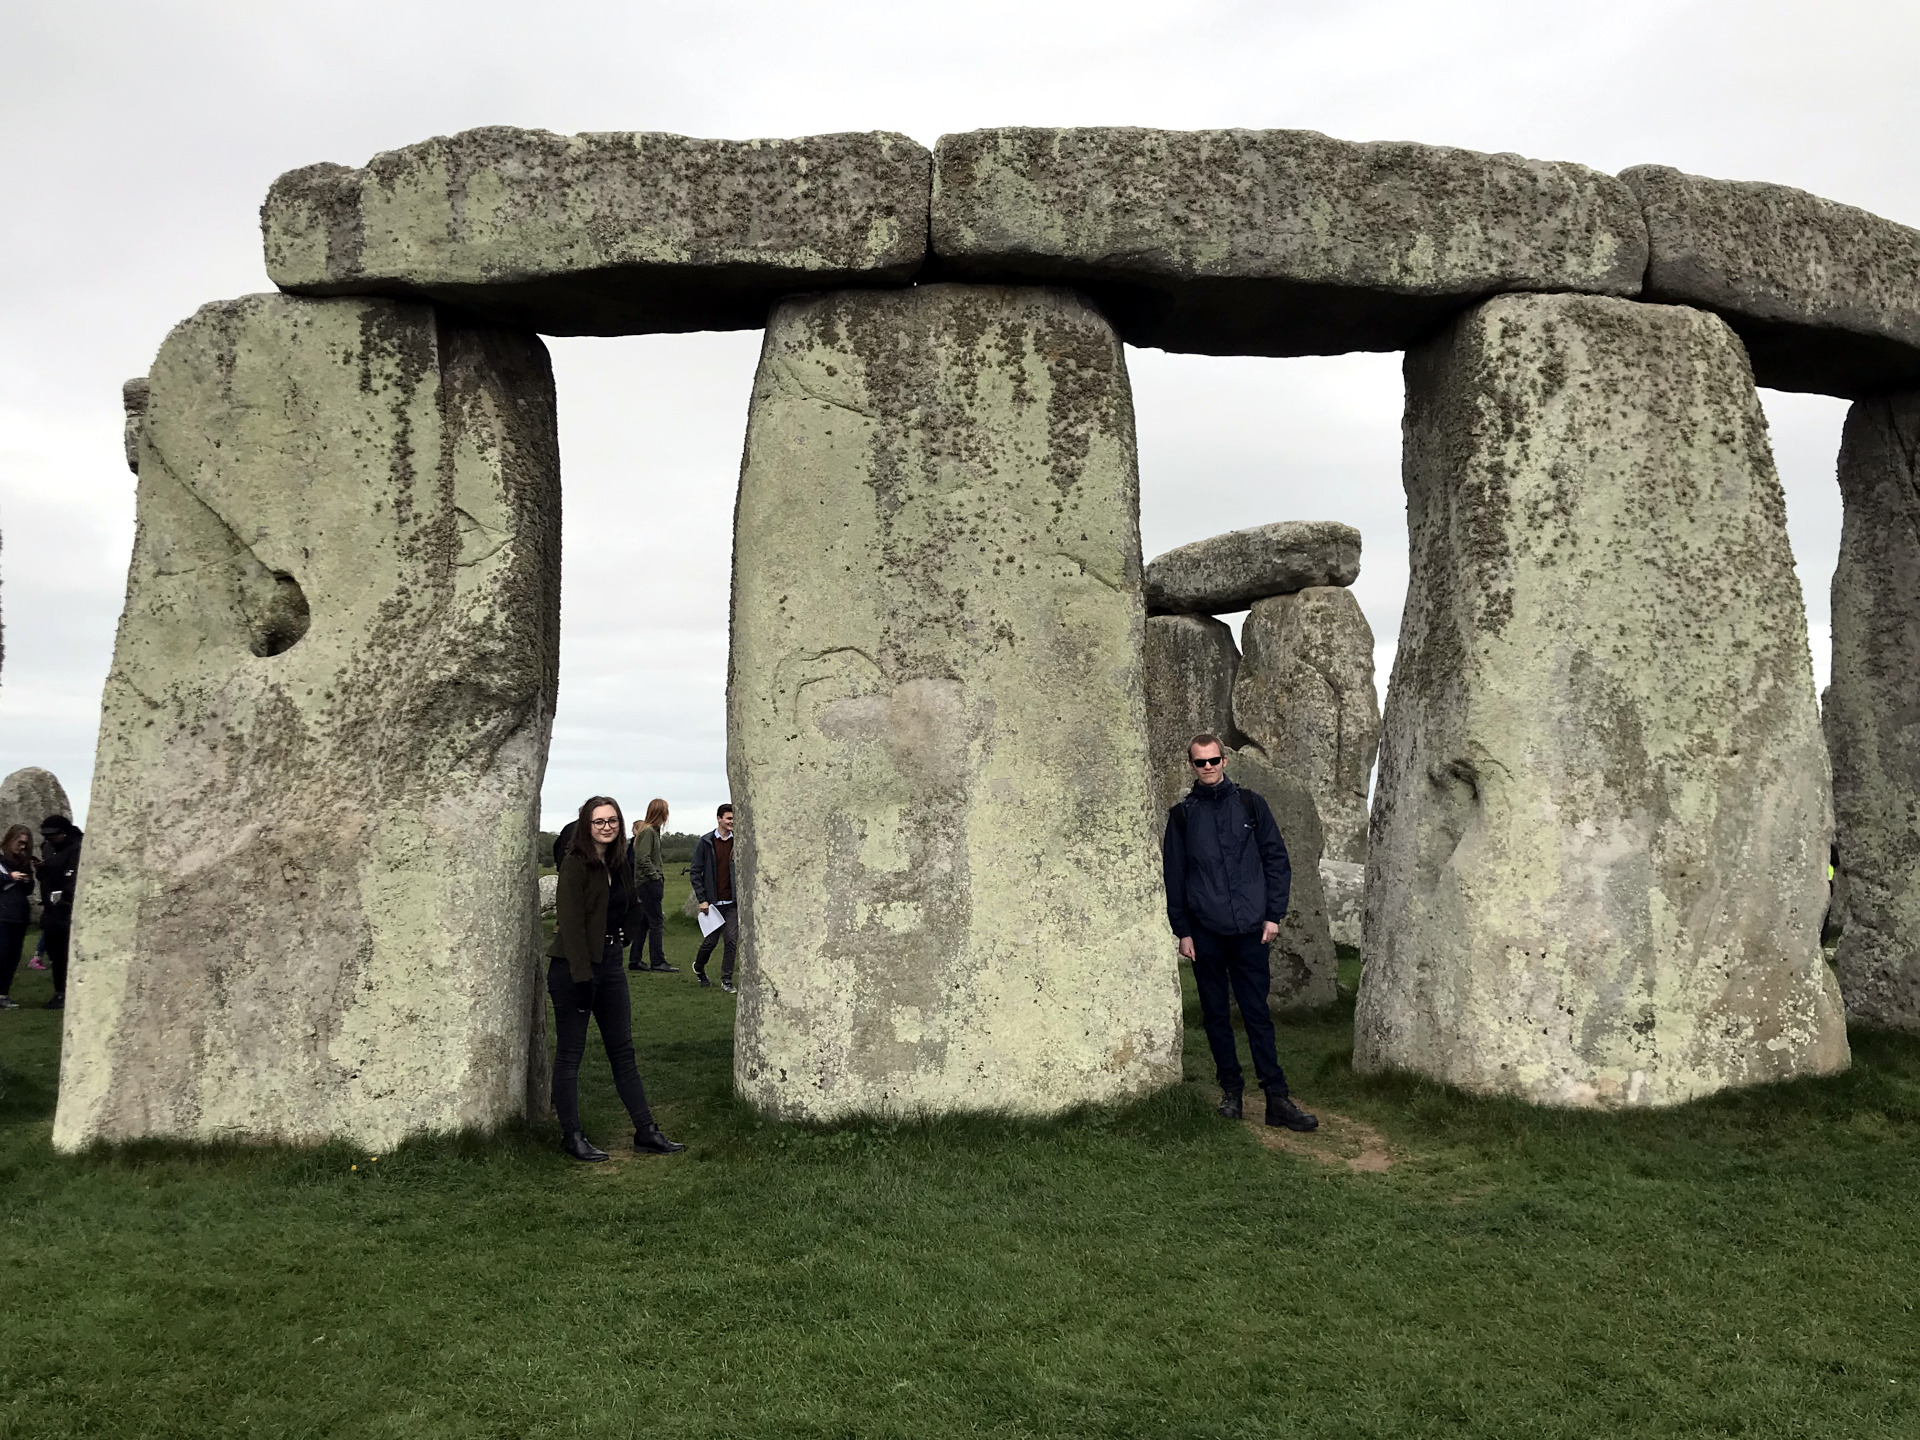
<point x="139" y="139"/>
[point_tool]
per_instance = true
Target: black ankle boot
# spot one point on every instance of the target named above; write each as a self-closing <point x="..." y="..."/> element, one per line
<point x="580" y="1148"/>
<point x="651" y="1142"/>
<point x="1282" y="1111"/>
<point x="1230" y="1104"/>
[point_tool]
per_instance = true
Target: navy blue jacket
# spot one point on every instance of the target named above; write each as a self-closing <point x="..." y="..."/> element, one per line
<point x="1224" y="862"/>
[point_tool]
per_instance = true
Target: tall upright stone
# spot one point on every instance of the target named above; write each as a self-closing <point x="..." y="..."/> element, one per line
<point x="1870" y="712"/>
<point x="1304" y="694"/>
<point x="1191" y="661"/>
<point x="935" y="730"/>
<point x="30" y="795"/>
<point x="304" y="912"/>
<point x="1602" y="816"/>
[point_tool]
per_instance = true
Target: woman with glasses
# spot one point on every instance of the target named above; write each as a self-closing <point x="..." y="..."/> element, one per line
<point x="587" y="976"/>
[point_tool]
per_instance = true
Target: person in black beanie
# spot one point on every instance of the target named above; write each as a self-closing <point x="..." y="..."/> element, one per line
<point x="59" y="874"/>
<point x="587" y="976"/>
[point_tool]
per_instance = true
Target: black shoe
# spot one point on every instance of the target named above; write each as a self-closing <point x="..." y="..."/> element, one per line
<point x="664" y="969"/>
<point x="1282" y="1111"/>
<point x="8" y="1004"/>
<point x="1229" y="1107"/>
<point x="581" y="1148"/>
<point x="59" y="1002"/>
<point x="705" y="984"/>
<point x="632" y="966"/>
<point x="727" y="985"/>
<point x="652" y="1142"/>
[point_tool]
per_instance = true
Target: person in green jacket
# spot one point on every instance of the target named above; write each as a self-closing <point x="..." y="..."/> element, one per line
<point x="585" y="977"/>
<point x="649" y="887"/>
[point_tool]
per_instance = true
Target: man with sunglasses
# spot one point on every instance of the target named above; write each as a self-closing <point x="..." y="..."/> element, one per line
<point x="1228" y="879"/>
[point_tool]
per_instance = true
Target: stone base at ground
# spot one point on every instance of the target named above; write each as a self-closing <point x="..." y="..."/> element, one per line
<point x="1870" y="709"/>
<point x="304" y="913"/>
<point x="1304" y="694"/>
<point x="936" y="736"/>
<point x="1599" y="852"/>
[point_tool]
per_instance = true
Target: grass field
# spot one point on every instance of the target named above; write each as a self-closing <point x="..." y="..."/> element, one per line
<point x="1429" y="1265"/>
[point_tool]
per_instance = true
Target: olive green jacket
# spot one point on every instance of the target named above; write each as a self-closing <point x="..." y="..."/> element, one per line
<point x="580" y="905"/>
<point x="646" y="855"/>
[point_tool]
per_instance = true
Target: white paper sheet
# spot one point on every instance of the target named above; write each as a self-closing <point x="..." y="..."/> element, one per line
<point x="711" y="919"/>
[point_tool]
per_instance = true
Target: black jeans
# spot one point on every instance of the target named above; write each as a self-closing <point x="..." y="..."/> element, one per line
<point x="613" y="1012"/>
<point x="13" y="939"/>
<point x="1239" y="963"/>
<point x="56" y="936"/>
<point x="653" y="923"/>
<point x="729" y="932"/>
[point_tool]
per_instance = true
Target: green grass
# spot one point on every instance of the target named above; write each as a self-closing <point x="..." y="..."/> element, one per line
<point x="1744" y="1267"/>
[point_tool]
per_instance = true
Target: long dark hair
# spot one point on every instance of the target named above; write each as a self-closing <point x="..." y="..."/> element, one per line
<point x="582" y="843"/>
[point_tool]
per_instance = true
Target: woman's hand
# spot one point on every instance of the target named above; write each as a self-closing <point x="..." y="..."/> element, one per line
<point x="583" y="996"/>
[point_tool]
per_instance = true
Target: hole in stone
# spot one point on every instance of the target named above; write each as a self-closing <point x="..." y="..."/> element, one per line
<point x="277" y="615"/>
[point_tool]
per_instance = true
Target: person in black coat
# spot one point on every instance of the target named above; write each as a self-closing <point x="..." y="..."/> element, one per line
<point x="587" y="976"/>
<point x="1228" y="881"/>
<point x="16" y="905"/>
<point x="59" y="876"/>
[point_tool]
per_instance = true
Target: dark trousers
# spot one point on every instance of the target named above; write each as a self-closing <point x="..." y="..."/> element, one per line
<point x="13" y="939"/>
<point x="613" y="1012"/>
<point x="55" y="932"/>
<point x="730" y="933"/>
<point x="653" y="923"/>
<point x="1236" y="964"/>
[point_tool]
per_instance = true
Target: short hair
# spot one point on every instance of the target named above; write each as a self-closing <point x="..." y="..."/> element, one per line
<point x="1203" y="738"/>
<point x="60" y="824"/>
<point x="724" y="809"/>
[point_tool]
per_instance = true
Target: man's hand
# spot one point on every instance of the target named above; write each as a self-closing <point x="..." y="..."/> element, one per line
<point x="703" y="907"/>
<point x="1186" y="947"/>
<point x="1269" y="933"/>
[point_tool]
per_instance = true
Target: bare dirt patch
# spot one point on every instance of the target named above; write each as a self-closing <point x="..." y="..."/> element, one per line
<point x="1339" y="1140"/>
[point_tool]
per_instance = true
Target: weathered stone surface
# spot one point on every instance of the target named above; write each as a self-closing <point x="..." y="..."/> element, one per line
<point x="1826" y="297"/>
<point x="605" y="234"/>
<point x="1870" y="713"/>
<point x="133" y="400"/>
<point x="1275" y="242"/>
<point x="30" y="795"/>
<point x="549" y="894"/>
<point x="1302" y="960"/>
<point x="1602" y="816"/>
<point x="935" y="727"/>
<point x="1190" y="664"/>
<point x="1305" y="695"/>
<point x="1345" y="886"/>
<point x="305" y="912"/>
<point x="1224" y="573"/>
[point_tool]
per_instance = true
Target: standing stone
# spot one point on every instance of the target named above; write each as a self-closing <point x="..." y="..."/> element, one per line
<point x="1191" y="661"/>
<point x="1599" y="853"/>
<point x="1305" y="696"/>
<point x="29" y="796"/>
<point x="934" y="717"/>
<point x="1190" y="664"/>
<point x="1229" y="572"/>
<point x="1345" y="884"/>
<point x="133" y="401"/>
<point x="1871" y="710"/>
<point x="304" y="912"/>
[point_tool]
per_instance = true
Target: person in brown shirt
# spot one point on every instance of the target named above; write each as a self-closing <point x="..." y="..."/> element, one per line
<point x="712" y="875"/>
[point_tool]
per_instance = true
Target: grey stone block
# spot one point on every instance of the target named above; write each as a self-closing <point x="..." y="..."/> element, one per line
<point x="1825" y="296"/>
<point x="1229" y="572"/>
<point x="1869" y="713"/>
<point x="1275" y="242"/>
<point x="133" y="401"/>
<point x="1600" y="830"/>
<point x="605" y="234"/>
<point x="1190" y="662"/>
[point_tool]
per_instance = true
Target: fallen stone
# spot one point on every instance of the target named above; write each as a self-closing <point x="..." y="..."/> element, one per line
<point x="1229" y="572"/>
<point x="30" y="795"/>
<point x="605" y="234"/>
<point x="1602" y="817"/>
<point x="1826" y="297"/>
<point x="935" y="728"/>
<point x="1275" y="242"/>
<point x="1869" y="713"/>
<point x="1344" y="883"/>
<point x="1304" y="694"/>
<point x="133" y="400"/>
<point x="304" y="913"/>
<point x="1190" y="664"/>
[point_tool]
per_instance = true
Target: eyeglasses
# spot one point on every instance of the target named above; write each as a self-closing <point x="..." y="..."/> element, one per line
<point x="1206" y="762"/>
<point x="604" y="824"/>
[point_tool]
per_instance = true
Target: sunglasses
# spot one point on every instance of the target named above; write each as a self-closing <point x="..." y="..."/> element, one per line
<point x="1206" y="762"/>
